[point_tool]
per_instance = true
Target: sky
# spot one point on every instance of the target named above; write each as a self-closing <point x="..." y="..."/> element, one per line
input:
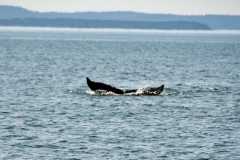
<point x="185" y="7"/>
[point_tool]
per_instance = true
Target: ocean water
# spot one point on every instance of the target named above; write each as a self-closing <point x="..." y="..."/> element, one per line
<point x="46" y="111"/>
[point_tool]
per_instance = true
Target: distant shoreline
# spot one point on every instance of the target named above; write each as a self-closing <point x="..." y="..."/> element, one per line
<point x="84" y="23"/>
<point x="18" y="16"/>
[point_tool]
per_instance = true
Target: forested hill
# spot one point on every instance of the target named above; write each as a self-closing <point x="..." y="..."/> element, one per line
<point x="17" y="16"/>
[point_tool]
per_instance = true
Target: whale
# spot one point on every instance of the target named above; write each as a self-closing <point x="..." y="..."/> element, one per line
<point x="100" y="86"/>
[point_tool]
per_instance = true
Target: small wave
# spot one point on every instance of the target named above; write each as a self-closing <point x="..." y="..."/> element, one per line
<point x="171" y="92"/>
<point x="101" y="93"/>
<point x="139" y="92"/>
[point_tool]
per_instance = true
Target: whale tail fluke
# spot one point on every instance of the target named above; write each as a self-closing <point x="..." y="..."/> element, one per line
<point x="99" y="86"/>
<point x="102" y="86"/>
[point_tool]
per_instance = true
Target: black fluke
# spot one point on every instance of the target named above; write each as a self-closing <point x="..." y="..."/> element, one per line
<point x="95" y="86"/>
<point x="101" y="86"/>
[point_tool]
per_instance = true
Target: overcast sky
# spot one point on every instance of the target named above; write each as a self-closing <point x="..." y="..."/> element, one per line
<point x="151" y="6"/>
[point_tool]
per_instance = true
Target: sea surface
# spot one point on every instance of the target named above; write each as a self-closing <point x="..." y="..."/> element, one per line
<point x="47" y="112"/>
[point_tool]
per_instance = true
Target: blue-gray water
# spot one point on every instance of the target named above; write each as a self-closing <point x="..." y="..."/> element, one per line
<point x="47" y="113"/>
